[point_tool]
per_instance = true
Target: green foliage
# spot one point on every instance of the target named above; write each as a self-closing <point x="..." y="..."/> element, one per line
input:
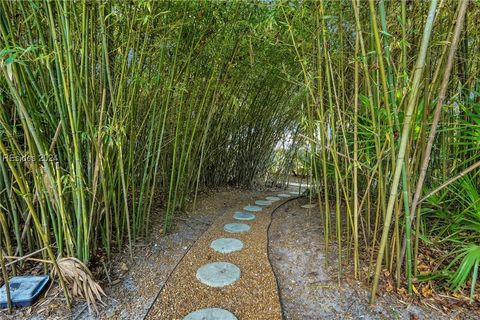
<point x="454" y="217"/>
<point x="470" y="256"/>
<point x="121" y="107"/>
<point x="112" y="108"/>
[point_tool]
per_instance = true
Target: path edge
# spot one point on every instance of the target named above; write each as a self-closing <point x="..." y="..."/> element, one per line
<point x="201" y="235"/>
<point x="268" y="252"/>
<point x="176" y="265"/>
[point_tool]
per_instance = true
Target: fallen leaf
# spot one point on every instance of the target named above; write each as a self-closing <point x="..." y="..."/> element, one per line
<point x="427" y="291"/>
<point x="414" y="289"/>
<point x="386" y="273"/>
<point x="123" y="267"/>
<point x="402" y="291"/>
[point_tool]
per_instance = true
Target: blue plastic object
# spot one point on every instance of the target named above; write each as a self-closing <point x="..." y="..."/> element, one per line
<point x="24" y="290"/>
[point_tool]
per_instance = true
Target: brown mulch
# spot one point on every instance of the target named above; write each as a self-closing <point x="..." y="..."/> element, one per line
<point x="253" y="296"/>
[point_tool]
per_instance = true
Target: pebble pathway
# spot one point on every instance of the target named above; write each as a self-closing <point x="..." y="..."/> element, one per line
<point x="224" y="272"/>
<point x="220" y="274"/>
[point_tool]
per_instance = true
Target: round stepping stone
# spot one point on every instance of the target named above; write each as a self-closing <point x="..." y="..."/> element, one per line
<point x="309" y="206"/>
<point x="252" y="208"/>
<point x="210" y="314"/>
<point x="226" y="245"/>
<point x="263" y="202"/>
<point x="218" y="274"/>
<point x="273" y="199"/>
<point x="236" y="227"/>
<point x="243" y="216"/>
<point x="284" y="195"/>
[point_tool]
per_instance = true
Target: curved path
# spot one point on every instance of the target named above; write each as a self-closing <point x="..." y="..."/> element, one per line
<point x="226" y="274"/>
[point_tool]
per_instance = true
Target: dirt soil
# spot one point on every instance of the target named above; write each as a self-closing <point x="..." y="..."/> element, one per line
<point x="311" y="290"/>
<point x="308" y="289"/>
<point x="133" y="284"/>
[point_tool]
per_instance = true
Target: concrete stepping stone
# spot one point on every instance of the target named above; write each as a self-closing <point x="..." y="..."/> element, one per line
<point x="226" y="245"/>
<point x="236" y="227"/>
<point x="263" y="202"/>
<point x="252" y="208"/>
<point x="243" y="216"/>
<point x="284" y="195"/>
<point x="295" y="192"/>
<point x="309" y="206"/>
<point x="272" y="199"/>
<point x="210" y="314"/>
<point x="218" y="274"/>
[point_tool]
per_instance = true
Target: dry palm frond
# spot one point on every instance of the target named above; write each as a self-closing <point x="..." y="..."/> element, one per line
<point x="80" y="279"/>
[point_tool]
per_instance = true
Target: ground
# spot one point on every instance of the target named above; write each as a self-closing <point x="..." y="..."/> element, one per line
<point x="309" y="289"/>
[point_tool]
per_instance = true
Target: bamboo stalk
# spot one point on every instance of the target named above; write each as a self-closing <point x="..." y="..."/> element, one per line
<point x="438" y="109"/>
<point x="403" y="143"/>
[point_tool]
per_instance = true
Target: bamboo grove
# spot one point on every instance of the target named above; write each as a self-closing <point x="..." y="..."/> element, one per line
<point x="121" y="105"/>
<point x="112" y="109"/>
<point x="392" y="121"/>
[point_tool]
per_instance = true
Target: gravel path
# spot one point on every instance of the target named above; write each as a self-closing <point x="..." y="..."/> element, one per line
<point x="253" y="296"/>
<point x="307" y="288"/>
